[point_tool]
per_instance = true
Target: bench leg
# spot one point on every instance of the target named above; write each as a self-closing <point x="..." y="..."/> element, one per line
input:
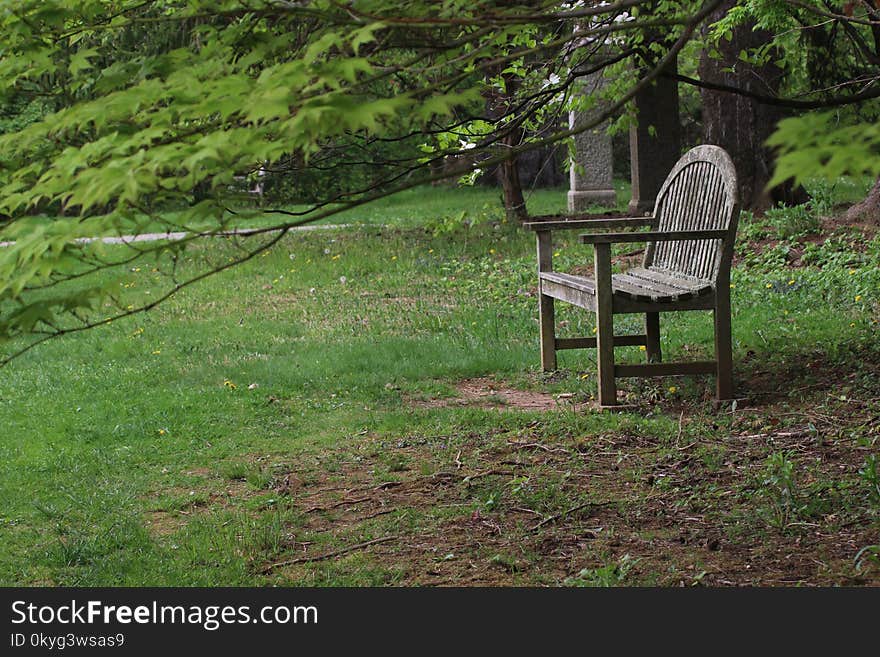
<point x="546" y="311"/>
<point x="723" y="348"/>
<point x="547" y="319"/>
<point x="652" y="332"/>
<point x="605" y="326"/>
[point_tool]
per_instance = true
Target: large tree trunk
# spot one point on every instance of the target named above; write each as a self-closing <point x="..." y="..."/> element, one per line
<point x="867" y="209"/>
<point x="739" y="124"/>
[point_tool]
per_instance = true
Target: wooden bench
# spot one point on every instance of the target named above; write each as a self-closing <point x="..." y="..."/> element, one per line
<point x="686" y="267"/>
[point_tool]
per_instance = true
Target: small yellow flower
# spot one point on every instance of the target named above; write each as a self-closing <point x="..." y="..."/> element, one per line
<point x="162" y="432"/>
<point x="430" y="250"/>
<point x="769" y="285"/>
<point x="394" y="257"/>
<point x="852" y="271"/>
<point x="642" y="347"/>
<point x="791" y="282"/>
<point x="556" y="254"/>
<point x="858" y="297"/>
<point x="229" y="384"/>
<point x="595" y="328"/>
<point x="584" y="376"/>
<point x="336" y="257"/>
<point x="852" y="324"/>
<point x="156" y="352"/>
<point x="732" y="285"/>
<point x="491" y="251"/>
<point x="672" y="390"/>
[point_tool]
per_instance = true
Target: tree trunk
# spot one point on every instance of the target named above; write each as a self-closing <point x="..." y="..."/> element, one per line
<point x="867" y="209"/>
<point x="508" y="173"/>
<point x="498" y="103"/>
<point x="741" y="125"/>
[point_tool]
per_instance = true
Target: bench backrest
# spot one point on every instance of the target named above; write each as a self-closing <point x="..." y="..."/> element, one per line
<point x="700" y="193"/>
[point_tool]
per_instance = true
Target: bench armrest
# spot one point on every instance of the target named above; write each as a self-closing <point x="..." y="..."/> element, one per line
<point x="598" y="222"/>
<point x="655" y="236"/>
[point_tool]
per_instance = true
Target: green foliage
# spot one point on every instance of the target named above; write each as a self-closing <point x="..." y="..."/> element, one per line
<point x="826" y="145"/>
<point x="779" y="489"/>
<point x="867" y="558"/>
<point x="793" y="221"/>
<point x="611" y="574"/>
<point x="870" y="475"/>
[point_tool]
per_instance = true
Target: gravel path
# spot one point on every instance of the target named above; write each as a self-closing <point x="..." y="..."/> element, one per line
<point x="154" y="237"/>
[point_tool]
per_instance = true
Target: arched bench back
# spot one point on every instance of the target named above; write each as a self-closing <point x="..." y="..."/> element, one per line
<point x="700" y="193"/>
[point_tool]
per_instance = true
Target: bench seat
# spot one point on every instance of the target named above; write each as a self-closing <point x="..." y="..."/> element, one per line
<point x="637" y="284"/>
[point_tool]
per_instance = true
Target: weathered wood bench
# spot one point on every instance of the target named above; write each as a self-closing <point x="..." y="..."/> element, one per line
<point x="686" y="267"/>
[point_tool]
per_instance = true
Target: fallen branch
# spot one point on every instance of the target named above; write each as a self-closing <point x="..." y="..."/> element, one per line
<point x="327" y="555"/>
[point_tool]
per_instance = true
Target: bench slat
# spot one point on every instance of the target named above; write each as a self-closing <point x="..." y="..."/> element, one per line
<point x="655" y="290"/>
<point x="662" y="289"/>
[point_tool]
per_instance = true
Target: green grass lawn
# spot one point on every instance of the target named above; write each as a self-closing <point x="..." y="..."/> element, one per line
<point x="363" y="406"/>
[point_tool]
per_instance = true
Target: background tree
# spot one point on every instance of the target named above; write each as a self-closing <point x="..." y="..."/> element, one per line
<point x="812" y="55"/>
<point x="739" y="123"/>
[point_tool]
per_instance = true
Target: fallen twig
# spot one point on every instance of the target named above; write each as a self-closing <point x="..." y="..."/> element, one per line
<point x="377" y="514"/>
<point x="526" y="510"/>
<point x="486" y="473"/>
<point x="327" y="555"/>
<point x="537" y="446"/>
<point x="574" y="509"/>
<point x="388" y="484"/>
<point x="337" y="505"/>
<point x="779" y="434"/>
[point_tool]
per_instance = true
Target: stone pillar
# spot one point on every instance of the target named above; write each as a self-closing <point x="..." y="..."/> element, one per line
<point x="590" y="174"/>
<point x="655" y="142"/>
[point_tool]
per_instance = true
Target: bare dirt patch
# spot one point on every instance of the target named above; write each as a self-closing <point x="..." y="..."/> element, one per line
<point x="163" y="523"/>
<point x="528" y="506"/>
<point x="486" y="392"/>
